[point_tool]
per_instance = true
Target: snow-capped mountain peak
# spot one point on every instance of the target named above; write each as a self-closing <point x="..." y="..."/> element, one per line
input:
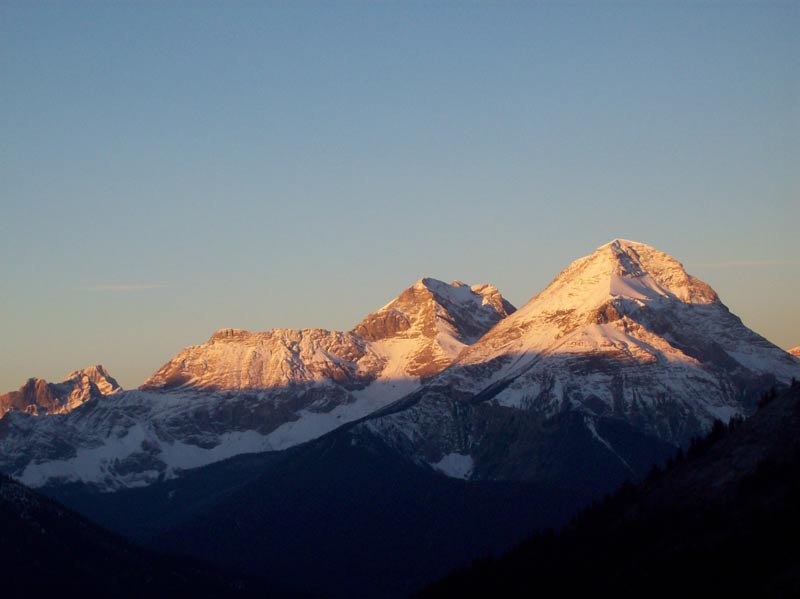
<point x="96" y="375"/>
<point x="625" y="269"/>
<point x="431" y="322"/>
<point x="618" y="279"/>
<point x="623" y="334"/>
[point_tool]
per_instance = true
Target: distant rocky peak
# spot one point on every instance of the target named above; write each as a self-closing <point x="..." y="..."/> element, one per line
<point x="632" y="260"/>
<point x="491" y="295"/>
<point x="37" y="396"/>
<point x="229" y="334"/>
<point x="795" y="351"/>
<point x="96" y="375"/>
<point x="430" y="305"/>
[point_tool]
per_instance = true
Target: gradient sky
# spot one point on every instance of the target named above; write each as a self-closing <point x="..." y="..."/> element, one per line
<point x="171" y="168"/>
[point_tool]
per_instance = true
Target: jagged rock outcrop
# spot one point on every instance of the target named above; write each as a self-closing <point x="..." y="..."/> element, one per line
<point x="37" y="396"/>
<point x="430" y="323"/>
<point x="238" y="360"/>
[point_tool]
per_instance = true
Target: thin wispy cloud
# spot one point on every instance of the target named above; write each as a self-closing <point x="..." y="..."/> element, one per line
<point x="741" y="263"/>
<point x="128" y="287"/>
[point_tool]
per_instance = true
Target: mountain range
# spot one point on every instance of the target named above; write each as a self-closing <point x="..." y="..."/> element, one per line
<point x="623" y="346"/>
<point x="444" y="426"/>
<point x="244" y="392"/>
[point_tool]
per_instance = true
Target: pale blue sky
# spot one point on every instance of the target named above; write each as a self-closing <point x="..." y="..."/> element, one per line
<point x="170" y="168"/>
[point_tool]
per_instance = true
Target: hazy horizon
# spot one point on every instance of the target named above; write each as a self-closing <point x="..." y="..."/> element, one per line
<point x="167" y="170"/>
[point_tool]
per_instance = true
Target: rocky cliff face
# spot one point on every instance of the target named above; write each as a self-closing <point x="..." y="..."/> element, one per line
<point x="237" y="360"/>
<point x="430" y="323"/>
<point x="37" y="396"/>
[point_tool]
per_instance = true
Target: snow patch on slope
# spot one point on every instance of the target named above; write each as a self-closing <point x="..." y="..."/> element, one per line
<point x="310" y="425"/>
<point x="90" y="464"/>
<point x="455" y="465"/>
<point x="593" y="429"/>
<point x="100" y="465"/>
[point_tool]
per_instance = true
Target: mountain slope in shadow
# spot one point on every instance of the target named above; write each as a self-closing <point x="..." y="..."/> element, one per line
<point x="722" y="520"/>
<point x="348" y="515"/>
<point x="48" y="549"/>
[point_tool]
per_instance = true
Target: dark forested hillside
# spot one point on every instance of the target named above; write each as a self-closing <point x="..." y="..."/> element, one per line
<point x="722" y="519"/>
<point x="47" y="549"/>
<point x="343" y="516"/>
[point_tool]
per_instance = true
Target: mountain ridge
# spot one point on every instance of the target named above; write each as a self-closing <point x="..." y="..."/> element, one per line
<point x="623" y="348"/>
<point x="243" y="392"/>
<point x="443" y="318"/>
<point x="624" y="333"/>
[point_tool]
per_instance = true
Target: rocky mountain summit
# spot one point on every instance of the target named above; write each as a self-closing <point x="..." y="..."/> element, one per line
<point x="37" y="396"/>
